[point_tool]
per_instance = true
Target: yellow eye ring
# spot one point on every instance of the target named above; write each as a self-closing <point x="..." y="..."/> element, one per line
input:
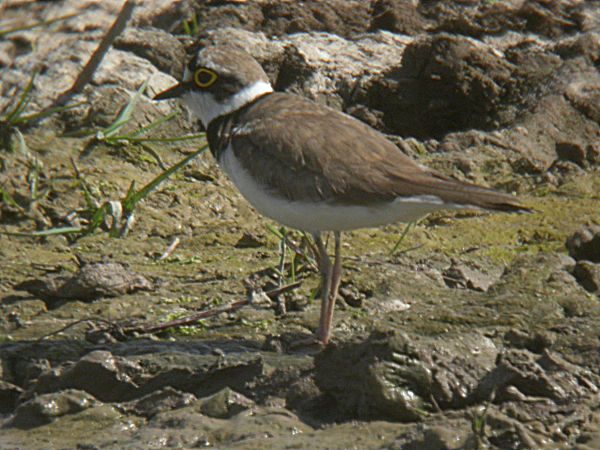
<point x="204" y="77"/>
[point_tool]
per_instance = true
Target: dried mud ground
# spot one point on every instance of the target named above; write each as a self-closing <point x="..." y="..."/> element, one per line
<point x="480" y="331"/>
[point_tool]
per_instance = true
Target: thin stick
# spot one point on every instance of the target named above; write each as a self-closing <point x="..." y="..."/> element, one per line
<point x="35" y="25"/>
<point x="86" y="75"/>
<point x="72" y="324"/>
<point x="193" y="319"/>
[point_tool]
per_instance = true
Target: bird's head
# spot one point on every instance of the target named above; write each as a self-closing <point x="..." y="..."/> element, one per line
<point x="219" y="80"/>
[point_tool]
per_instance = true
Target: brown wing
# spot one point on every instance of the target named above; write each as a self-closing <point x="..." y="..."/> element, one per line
<point x="306" y="151"/>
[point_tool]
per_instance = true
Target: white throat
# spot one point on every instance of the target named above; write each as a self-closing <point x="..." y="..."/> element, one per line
<point x="207" y="108"/>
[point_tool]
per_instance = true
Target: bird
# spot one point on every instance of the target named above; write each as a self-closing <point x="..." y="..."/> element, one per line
<point x="310" y="167"/>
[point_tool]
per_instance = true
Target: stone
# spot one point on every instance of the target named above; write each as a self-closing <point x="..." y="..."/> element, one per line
<point x="93" y="281"/>
<point x="159" y="401"/>
<point x="459" y="275"/>
<point x="250" y="240"/>
<point x="570" y="151"/>
<point x="43" y="409"/>
<point x="547" y="375"/>
<point x="392" y="377"/>
<point x="100" y="373"/>
<point x="588" y="275"/>
<point x="162" y="49"/>
<point x="9" y="395"/>
<point x="225" y="404"/>
<point x="585" y="243"/>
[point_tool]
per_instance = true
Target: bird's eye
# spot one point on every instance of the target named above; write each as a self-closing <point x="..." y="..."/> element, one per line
<point x="204" y="77"/>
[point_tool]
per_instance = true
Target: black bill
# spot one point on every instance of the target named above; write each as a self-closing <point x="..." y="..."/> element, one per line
<point x="172" y="92"/>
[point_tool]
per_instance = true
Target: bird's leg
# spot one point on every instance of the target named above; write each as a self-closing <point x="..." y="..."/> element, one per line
<point x="336" y="277"/>
<point x="326" y="279"/>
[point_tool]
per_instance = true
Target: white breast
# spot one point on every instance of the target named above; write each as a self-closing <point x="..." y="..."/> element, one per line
<point x="324" y="216"/>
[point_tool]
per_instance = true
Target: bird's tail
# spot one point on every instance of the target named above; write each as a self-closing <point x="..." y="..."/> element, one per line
<point x="465" y="194"/>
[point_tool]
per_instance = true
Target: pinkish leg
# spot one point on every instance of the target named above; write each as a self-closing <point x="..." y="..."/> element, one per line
<point x="326" y="279"/>
<point x="335" y="277"/>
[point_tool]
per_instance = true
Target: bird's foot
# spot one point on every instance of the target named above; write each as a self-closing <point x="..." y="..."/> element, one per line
<point x="310" y="344"/>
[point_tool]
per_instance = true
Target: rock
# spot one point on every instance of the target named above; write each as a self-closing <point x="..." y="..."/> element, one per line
<point x="588" y="275"/>
<point x="434" y="88"/>
<point x="585" y="96"/>
<point x="455" y="436"/>
<point x="225" y="404"/>
<point x="119" y="378"/>
<point x="157" y="46"/>
<point x="586" y="44"/>
<point x="391" y="305"/>
<point x="8" y="52"/>
<point x="302" y="394"/>
<point x="9" y="395"/>
<point x="390" y="377"/>
<point x="593" y="153"/>
<point x="585" y="243"/>
<point x="590" y="438"/>
<point x="323" y="67"/>
<point x="548" y="376"/>
<point x="352" y="295"/>
<point x="460" y="276"/>
<point x="341" y="17"/>
<point x="45" y="408"/>
<point x="111" y="380"/>
<point x="257" y="428"/>
<point x="250" y="240"/>
<point x="29" y="371"/>
<point x="398" y="16"/>
<point x="569" y="151"/>
<point x="93" y="281"/>
<point x="159" y="401"/>
<point x="534" y="342"/>
<point x="508" y="432"/>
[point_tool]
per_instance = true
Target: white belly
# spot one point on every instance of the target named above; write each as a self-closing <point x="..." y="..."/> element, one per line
<point x="324" y="216"/>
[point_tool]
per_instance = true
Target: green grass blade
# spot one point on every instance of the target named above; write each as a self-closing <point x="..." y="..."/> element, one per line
<point x="186" y="28"/>
<point x="191" y="26"/>
<point x="293" y="267"/>
<point x="195" y="25"/>
<point x="45" y="113"/>
<point x="402" y="236"/>
<point x="42" y="233"/>
<point x="274" y="231"/>
<point x="8" y="199"/>
<point x="125" y="114"/>
<point x="111" y="129"/>
<point x="132" y="200"/>
<point x="90" y="201"/>
<point x="154" y="124"/>
<point x="130" y="194"/>
<point x="84" y="132"/>
<point x="134" y="140"/>
<point x="22" y="103"/>
<point x="97" y="219"/>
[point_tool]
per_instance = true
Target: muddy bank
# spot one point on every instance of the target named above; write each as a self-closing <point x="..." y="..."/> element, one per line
<point x="480" y="331"/>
